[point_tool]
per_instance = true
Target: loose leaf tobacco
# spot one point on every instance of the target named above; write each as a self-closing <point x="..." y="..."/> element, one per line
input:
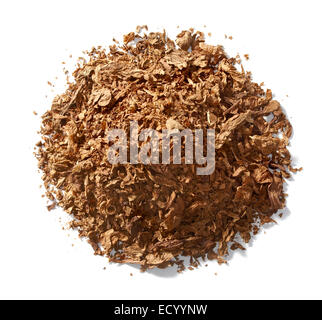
<point x="153" y="214"/>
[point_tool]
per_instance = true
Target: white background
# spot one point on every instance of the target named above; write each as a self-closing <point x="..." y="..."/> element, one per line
<point x="37" y="259"/>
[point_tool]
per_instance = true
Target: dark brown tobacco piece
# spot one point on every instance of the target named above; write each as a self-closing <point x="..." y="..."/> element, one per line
<point x="153" y="214"/>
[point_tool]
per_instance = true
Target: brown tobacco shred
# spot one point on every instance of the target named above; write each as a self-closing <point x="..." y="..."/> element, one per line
<point x="153" y="214"/>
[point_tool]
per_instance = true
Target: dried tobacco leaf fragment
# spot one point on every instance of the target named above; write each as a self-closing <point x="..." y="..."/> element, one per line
<point x="153" y="214"/>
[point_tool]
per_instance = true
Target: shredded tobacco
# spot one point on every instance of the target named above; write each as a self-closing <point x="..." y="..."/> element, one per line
<point x="154" y="214"/>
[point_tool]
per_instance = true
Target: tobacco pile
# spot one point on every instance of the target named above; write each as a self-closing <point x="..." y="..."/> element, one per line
<point x="153" y="214"/>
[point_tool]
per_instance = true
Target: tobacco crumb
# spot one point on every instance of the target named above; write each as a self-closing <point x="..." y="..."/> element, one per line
<point x="35" y="113"/>
<point x="151" y="215"/>
<point x="51" y="206"/>
<point x="140" y="28"/>
<point x="246" y="56"/>
<point x="131" y="274"/>
<point x="230" y="38"/>
<point x="209" y="34"/>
